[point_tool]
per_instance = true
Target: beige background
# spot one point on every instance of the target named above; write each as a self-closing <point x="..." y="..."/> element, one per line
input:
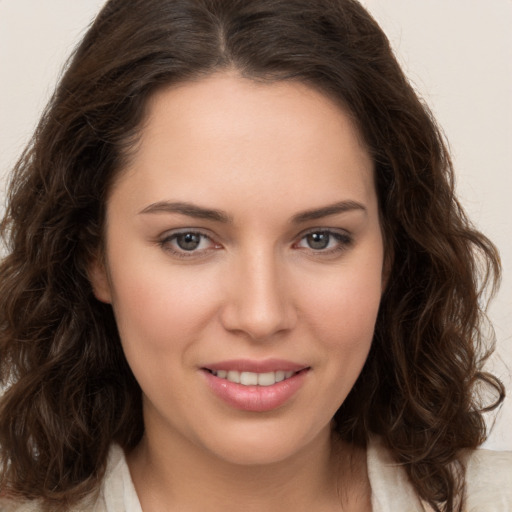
<point x="458" y="54"/>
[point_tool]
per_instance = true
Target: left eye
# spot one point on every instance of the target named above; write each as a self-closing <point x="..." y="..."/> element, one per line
<point x="323" y="240"/>
<point x="187" y="242"/>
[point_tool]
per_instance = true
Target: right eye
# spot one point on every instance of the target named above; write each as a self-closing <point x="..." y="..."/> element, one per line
<point x="324" y="241"/>
<point x="187" y="243"/>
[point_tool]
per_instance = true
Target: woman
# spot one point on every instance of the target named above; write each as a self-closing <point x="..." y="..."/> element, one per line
<point x="239" y="278"/>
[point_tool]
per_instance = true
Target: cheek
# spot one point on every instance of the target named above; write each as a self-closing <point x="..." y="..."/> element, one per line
<point x="160" y="307"/>
<point x="342" y="312"/>
<point x="346" y="328"/>
<point x="348" y="297"/>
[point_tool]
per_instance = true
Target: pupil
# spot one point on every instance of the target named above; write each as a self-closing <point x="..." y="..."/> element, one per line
<point x="188" y="241"/>
<point x="318" y="240"/>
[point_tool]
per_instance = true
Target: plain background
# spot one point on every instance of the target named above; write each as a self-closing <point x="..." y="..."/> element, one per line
<point x="457" y="54"/>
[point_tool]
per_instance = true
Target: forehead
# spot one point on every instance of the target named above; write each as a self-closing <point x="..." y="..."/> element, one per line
<point x="264" y="139"/>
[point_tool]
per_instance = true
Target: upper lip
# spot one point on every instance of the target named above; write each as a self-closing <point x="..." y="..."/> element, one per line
<point x="255" y="366"/>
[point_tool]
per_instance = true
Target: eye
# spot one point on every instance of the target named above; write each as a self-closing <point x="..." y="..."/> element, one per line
<point x="188" y="243"/>
<point x="324" y="240"/>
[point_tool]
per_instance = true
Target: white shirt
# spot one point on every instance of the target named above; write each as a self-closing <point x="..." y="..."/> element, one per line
<point x="488" y="484"/>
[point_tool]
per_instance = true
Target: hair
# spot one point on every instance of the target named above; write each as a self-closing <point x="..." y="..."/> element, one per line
<point x="69" y="392"/>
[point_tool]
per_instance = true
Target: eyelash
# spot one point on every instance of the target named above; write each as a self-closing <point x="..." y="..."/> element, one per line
<point x="166" y="242"/>
<point x="344" y="241"/>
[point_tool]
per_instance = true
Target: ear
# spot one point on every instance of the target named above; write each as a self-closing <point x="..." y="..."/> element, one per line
<point x="99" y="279"/>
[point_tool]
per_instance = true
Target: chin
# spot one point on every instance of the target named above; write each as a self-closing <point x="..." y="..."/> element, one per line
<point x="263" y="446"/>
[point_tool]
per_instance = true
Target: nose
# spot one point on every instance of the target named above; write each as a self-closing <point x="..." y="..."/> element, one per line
<point x="259" y="301"/>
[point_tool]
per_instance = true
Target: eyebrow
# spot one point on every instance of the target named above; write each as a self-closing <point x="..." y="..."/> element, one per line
<point x="326" y="211"/>
<point x="199" y="212"/>
<point x="188" y="209"/>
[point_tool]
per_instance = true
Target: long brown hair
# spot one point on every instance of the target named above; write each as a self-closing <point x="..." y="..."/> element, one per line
<point x="69" y="391"/>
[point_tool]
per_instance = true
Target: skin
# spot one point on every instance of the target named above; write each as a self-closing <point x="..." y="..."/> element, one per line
<point x="254" y="288"/>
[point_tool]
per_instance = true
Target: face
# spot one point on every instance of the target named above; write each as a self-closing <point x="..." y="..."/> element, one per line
<point x="244" y="265"/>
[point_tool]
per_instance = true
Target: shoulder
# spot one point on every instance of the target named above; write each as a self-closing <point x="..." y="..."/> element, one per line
<point x="9" y="505"/>
<point x="116" y="492"/>
<point x="390" y="487"/>
<point x="489" y="481"/>
<point x="13" y="505"/>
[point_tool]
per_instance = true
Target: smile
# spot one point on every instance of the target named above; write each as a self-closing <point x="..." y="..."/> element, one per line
<point x="252" y="378"/>
<point x="254" y="391"/>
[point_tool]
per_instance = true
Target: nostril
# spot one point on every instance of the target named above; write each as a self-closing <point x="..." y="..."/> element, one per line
<point x="257" y="325"/>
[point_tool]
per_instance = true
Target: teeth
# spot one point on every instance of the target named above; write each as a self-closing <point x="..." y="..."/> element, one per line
<point x="267" y="379"/>
<point x="233" y="376"/>
<point x="249" y="379"/>
<point x="253" y="379"/>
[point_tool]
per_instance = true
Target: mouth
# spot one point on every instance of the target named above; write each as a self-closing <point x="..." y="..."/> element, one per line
<point x="253" y="378"/>
<point x="256" y="386"/>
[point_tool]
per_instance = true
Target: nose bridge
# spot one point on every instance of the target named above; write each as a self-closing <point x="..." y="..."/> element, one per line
<point x="259" y="303"/>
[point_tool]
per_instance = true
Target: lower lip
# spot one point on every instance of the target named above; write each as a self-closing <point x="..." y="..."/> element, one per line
<point x="255" y="398"/>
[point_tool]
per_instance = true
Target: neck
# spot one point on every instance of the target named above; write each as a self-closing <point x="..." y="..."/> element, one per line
<point x="180" y="474"/>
